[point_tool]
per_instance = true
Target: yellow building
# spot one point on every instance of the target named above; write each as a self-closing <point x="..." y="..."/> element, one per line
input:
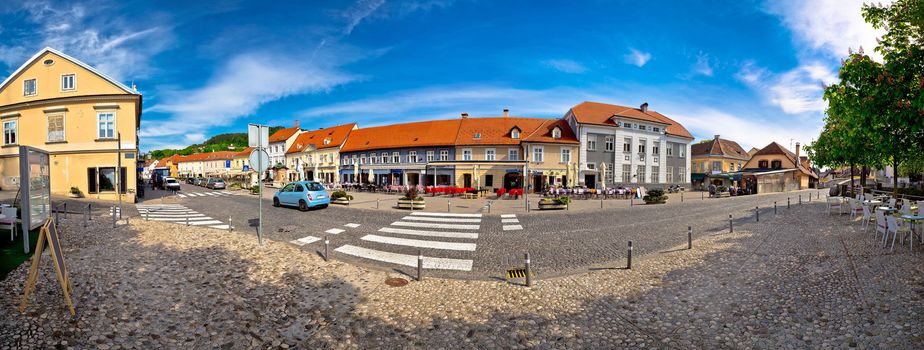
<point x="776" y="169"/>
<point x="63" y="106"/>
<point x="718" y="156"/>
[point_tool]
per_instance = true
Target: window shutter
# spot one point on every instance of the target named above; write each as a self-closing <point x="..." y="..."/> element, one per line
<point x="122" y="172"/>
<point x="91" y="180"/>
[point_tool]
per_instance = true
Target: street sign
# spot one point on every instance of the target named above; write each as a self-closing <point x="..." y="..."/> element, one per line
<point x="257" y="135"/>
<point x="259" y="160"/>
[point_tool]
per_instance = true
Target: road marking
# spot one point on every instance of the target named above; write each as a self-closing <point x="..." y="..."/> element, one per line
<point x="423" y="213"/>
<point x="181" y="195"/>
<point x="508" y="215"/>
<point x="406" y="260"/>
<point x="509" y="221"/>
<point x="435" y="219"/>
<point x="305" y="240"/>
<point x="221" y="227"/>
<point x="429" y="225"/>
<point x="175" y="218"/>
<point x="151" y="215"/>
<point x="512" y="227"/>
<point x="198" y="223"/>
<point x="352" y="225"/>
<point x="404" y="231"/>
<point x="334" y="231"/>
<point x="420" y="243"/>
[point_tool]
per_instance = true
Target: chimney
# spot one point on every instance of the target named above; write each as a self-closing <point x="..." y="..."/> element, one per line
<point x="644" y="107"/>
<point x="464" y="115"/>
<point x="716" y="137"/>
<point x="296" y="123"/>
<point x="506" y="112"/>
<point x="797" y="151"/>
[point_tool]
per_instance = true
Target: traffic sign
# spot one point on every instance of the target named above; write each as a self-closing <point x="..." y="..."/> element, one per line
<point x="257" y="135"/>
<point x="259" y="160"/>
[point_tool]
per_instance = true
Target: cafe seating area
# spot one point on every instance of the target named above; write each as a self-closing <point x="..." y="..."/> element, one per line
<point x="891" y="221"/>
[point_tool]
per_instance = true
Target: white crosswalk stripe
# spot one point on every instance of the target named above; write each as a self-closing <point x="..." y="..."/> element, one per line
<point x="203" y="194"/>
<point x="512" y="227"/>
<point x="510" y="222"/>
<point x="305" y="240"/>
<point x="178" y="214"/>
<point x="429" y="231"/>
<point x="334" y="231"/>
<point x="351" y="225"/>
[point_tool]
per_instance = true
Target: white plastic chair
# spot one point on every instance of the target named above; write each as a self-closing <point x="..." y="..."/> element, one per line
<point x="9" y="221"/>
<point x="834" y="203"/>
<point x="867" y="217"/>
<point x="891" y="202"/>
<point x="897" y="227"/>
<point x="856" y="208"/>
<point x="882" y="228"/>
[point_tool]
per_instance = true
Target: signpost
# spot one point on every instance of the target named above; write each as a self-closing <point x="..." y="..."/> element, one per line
<point x="258" y="137"/>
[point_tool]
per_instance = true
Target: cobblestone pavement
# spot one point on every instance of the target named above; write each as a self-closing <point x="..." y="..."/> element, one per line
<point x="561" y="243"/>
<point x="802" y="280"/>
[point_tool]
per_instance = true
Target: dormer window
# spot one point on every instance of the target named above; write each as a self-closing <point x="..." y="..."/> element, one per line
<point x="326" y="141"/>
<point x="556" y="133"/>
<point x="477" y="136"/>
<point x="627" y="125"/>
<point x="515" y="133"/>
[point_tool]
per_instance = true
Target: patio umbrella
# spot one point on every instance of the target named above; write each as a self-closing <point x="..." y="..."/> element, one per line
<point x="315" y="175"/>
<point x="356" y="174"/>
<point x="602" y="174"/>
<point x="371" y="177"/>
<point x="298" y="170"/>
<point x="576" y="172"/>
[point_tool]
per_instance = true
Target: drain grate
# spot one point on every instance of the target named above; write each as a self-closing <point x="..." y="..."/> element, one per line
<point x="396" y="282"/>
<point x="518" y="273"/>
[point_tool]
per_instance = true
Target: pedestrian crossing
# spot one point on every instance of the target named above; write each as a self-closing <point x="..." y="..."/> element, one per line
<point x="510" y="222"/>
<point x="183" y="194"/>
<point x="428" y="231"/>
<point x="178" y="214"/>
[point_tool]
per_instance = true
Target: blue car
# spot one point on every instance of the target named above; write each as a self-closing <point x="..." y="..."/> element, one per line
<point x="303" y="194"/>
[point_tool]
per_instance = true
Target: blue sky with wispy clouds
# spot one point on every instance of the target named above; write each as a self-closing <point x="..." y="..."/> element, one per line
<point x="751" y="71"/>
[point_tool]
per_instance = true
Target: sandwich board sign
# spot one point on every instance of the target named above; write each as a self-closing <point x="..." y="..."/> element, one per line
<point x="34" y="171"/>
<point x="49" y="234"/>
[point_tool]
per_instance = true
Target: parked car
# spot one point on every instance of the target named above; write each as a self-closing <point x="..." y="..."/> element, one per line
<point x="303" y="194"/>
<point x="171" y="184"/>
<point x="215" y="184"/>
<point x="200" y="181"/>
<point x="191" y="180"/>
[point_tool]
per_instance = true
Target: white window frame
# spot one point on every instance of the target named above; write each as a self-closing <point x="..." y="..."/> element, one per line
<point x="63" y="127"/>
<point x="114" y="125"/>
<point x="627" y="146"/>
<point x="412" y="156"/>
<point x="513" y="154"/>
<point x="591" y="143"/>
<point x="682" y="174"/>
<point x="670" y="150"/>
<point x="384" y="157"/>
<point x="683" y="151"/>
<point x="396" y="157"/>
<point x="656" y="149"/>
<point x="490" y="154"/>
<point x="654" y="173"/>
<point x="444" y="154"/>
<point x="640" y="174"/>
<point x="539" y="156"/>
<point x="669" y="176"/>
<point x="466" y="154"/>
<point x="556" y="133"/>
<point x="15" y="131"/>
<point x="73" y="77"/>
<point x="609" y="173"/>
<point x="627" y="173"/>
<point x="34" y="84"/>
<point x="565" y="155"/>
<point x="430" y="156"/>
<point x="515" y="133"/>
<point x="591" y="166"/>
<point x="609" y="144"/>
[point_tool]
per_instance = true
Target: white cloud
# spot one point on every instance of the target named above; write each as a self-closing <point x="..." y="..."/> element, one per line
<point x="636" y="57"/>
<point x="830" y="26"/>
<point x="748" y="130"/>
<point x="796" y="91"/>
<point x="358" y="12"/>
<point x="119" y="49"/>
<point x="566" y="65"/>
<point x="703" y="65"/>
<point x="195" y="137"/>
<point x="238" y="89"/>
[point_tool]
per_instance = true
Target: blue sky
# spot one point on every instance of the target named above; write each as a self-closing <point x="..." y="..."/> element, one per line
<point x="751" y="71"/>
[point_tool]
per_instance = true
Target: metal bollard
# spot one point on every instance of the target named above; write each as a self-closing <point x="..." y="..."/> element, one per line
<point x="601" y="203"/>
<point x="800" y="199"/>
<point x="448" y="206"/>
<point x="326" y="248"/>
<point x="631" y="201"/>
<point x="56" y="217"/>
<point x="376" y="203"/>
<point x="113" y="217"/>
<point x="681" y="197"/>
<point x="757" y="213"/>
<point x="65" y="210"/>
<point x="731" y="227"/>
<point x="774" y="207"/>
<point x="787" y="202"/>
<point x="89" y="210"/>
<point x="689" y="237"/>
<point x="629" y="257"/>
<point x="187" y="219"/>
<point x="529" y="279"/>
<point x="419" y="265"/>
<point x="702" y="195"/>
<point x="230" y="227"/>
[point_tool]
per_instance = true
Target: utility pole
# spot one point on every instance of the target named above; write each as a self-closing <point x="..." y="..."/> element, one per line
<point x="118" y="173"/>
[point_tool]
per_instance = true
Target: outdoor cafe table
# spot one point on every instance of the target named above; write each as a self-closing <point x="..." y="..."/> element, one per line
<point x="913" y="219"/>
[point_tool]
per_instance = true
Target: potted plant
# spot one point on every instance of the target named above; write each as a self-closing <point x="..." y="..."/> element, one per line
<point x="340" y="197"/>
<point x="74" y="192"/>
<point x="655" y="196"/>
<point x="411" y="200"/>
<point x="255" y="189"/>
<point x="554" y="203"/>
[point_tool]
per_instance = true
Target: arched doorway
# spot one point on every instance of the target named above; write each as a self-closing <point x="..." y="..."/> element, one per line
<point x="512" y="180"/>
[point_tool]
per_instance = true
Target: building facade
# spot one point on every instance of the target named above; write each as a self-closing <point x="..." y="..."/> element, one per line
<point x="712" y="162"/>
<point x="59" y="104"/>
<point x="625" y="146"/>
<point x="777" y="169"/>
<point x="399" y="154"/>
<point x="206" y="164"/>
<point x="279" y="142"/>
<point x="315" y="155"/>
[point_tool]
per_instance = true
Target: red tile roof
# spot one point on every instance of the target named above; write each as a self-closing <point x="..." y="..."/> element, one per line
<point x="544" y="132"/>
<point x="775" y="149"/>
<point x="283" y="134"/>
<point x="245" y="153"/>
<point x="496" y="131"/>
<point x="335" y="134"/>
<point x="718" y="146"/>
<point x="601" y="113"/>
<point x="419" y="134"/>
<point x="197" y="157"/>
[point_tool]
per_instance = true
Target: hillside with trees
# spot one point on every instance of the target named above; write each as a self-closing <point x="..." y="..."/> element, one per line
<point x="236" y="141"/>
